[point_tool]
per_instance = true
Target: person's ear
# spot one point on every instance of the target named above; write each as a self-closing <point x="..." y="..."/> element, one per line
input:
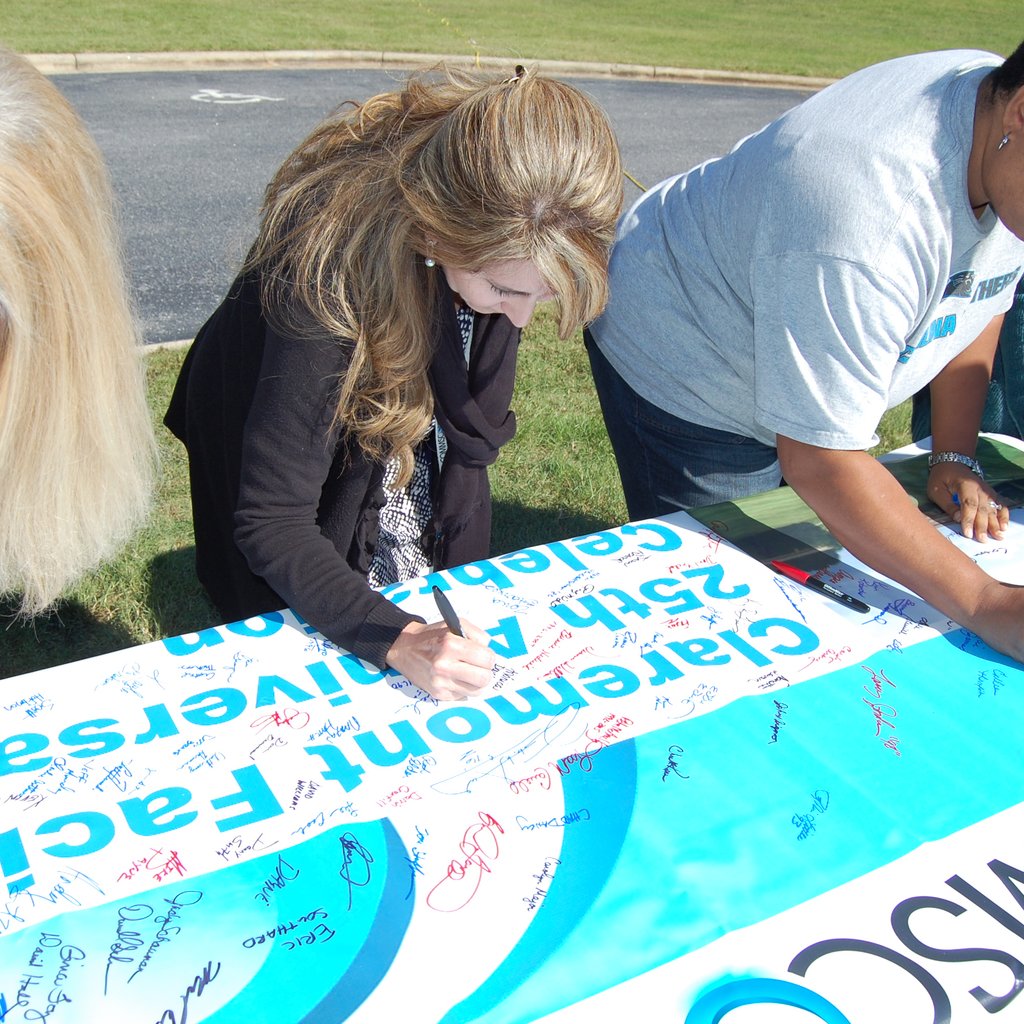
<point x="1013" y="115"/>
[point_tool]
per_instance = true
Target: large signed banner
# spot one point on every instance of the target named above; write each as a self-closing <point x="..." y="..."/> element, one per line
<point x="694" y="787"/>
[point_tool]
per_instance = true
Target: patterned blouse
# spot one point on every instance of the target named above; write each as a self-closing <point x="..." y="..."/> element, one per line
<point x="408" y="511"/>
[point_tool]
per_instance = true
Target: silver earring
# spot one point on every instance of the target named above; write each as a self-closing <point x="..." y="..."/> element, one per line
<point x="430" y="262"/>
<point x="1003" y="141"/>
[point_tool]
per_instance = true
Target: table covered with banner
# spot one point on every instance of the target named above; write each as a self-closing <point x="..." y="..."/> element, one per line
<point x="696" y="790"/>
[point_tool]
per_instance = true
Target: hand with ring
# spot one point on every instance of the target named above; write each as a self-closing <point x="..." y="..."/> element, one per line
<point x="979" y="510"/>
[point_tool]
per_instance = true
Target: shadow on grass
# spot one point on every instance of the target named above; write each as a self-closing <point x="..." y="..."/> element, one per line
<point x="177" y="600"/>
<point x="68" y="632"/>
<point x="71" y="630"/>
<point x="515" y="526"/>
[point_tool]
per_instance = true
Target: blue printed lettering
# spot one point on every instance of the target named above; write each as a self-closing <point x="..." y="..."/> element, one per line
<point x="147" y="816"/>
<point x="713" y="576"/>
<point x="411" y="744"/>
<point x="590" y="613"/>
<point x="224" y="705"/>
<point x="526" y="561"/>
<point x="670" y="539"/>
<point x="327" y="683"/>
<point x="598" y="544"/>
<point x="511" y="632"/>
<point x="254" y="793"/>
<point x="273" y="690"/>
<point x="258" y="626"/>
<point x="536" y="703"/>
<point x="476" y="573"/>
<point x="92" y="745"/>
<point x="610" y="681"/>
<point x="476" y="725"/>
<point x="98" y="827"/>
<point x="686" y="600"/>
<point x="627" y="605"/>
<point x="338" y="767"/>
<point x="161" y="725"/>
<point x="23" y="745"/>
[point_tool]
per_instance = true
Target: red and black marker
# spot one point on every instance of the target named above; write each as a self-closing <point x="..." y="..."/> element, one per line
<point x="820" y="585"/>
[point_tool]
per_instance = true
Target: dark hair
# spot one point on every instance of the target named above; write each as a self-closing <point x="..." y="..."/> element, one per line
<point x="1009" y="76"/>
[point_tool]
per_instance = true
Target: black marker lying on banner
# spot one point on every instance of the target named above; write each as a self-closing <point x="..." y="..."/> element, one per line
<point x="819" y="585"/>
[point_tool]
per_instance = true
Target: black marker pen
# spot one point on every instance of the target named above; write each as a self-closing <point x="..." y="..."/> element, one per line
<point x="444" y="606"/>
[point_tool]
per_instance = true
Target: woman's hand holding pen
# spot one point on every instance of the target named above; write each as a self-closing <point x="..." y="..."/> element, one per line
<point x="979" y="510"/>
<point x="443" y="664"/>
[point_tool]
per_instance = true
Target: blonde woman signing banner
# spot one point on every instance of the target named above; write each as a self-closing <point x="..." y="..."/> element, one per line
<point x="342" y="405"/>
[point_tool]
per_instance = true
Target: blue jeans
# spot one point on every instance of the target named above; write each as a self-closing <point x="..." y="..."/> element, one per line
<point x="666" y="463"/>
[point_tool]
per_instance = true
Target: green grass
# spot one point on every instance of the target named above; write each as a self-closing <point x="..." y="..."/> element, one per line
<point x="556" y="479"/>
<point x="148" y="591"/>
<point x="803" y="37"/>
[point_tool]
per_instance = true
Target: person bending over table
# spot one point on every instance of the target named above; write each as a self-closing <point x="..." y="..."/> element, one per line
<point x="340" y="408"/>
<point x="77" y="450"/>
<point x="769" y="306"/>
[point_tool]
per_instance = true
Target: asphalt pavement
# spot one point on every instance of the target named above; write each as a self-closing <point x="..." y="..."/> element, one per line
<point x="190" y="152"/>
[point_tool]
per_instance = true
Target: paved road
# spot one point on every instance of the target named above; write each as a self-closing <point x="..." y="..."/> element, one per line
<point x="191" y="151"/>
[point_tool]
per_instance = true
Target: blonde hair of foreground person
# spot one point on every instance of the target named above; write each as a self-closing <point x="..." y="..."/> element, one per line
<point x="466" y="168"/>
<point x="76" y="445"/>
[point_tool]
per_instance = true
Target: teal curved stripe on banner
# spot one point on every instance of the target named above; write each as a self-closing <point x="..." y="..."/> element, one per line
<point x="606" y="792"/>
<point x="340" y="940"/>
<point x="765" y="803"/>
<point x="283" y="936"/>
<point x="390" y="920"/>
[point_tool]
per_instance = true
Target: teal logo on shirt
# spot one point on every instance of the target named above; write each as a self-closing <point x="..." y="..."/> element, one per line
<point x="990" y="288"/>
<point x="942" y="327"/>
<point x="960" y="285"/>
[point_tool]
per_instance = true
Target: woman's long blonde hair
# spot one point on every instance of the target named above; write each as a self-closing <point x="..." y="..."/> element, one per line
<point x="76" y="444"/>
<point x="468" y="168"/>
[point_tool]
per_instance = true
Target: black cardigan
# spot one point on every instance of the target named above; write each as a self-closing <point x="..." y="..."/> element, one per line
<point x="284" y="509"/>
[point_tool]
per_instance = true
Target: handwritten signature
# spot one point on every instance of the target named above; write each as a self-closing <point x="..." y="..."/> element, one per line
<point x="198" y="984"/>
<point x="884" y="714"/>
<point x="672" y="766"/>
<point x="780" y="713"/>
<point x="806" y="822"/>
<point x="479" y="848"/>
<point x="355" y="866"/>
<point x="289" y="717"/>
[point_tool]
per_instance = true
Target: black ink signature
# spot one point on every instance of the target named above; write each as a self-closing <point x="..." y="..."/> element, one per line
<point x="358" y="859"/>
<point x="199" y="982"/>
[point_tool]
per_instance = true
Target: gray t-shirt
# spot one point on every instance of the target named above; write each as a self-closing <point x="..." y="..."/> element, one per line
<point x="824" y="270"/>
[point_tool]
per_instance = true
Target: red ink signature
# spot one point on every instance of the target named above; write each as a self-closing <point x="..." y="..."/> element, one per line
<point x="877" y="678"/>
<point x="884" y="714"/>
<point x="286" y="716"/>
<point x="830" y="656"/>
<point x="479" y="845"/>
<point x="541" y="778"/>
<point x="162" y="864"/>
<point x="559" y="670"/>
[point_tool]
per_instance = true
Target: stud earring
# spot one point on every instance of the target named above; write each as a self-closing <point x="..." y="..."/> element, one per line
<point x="1003" y="141"/>
<point x="430" y="262"/>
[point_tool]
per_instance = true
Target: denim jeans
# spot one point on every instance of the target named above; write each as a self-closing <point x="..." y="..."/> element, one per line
<point x="666" y="463"/>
